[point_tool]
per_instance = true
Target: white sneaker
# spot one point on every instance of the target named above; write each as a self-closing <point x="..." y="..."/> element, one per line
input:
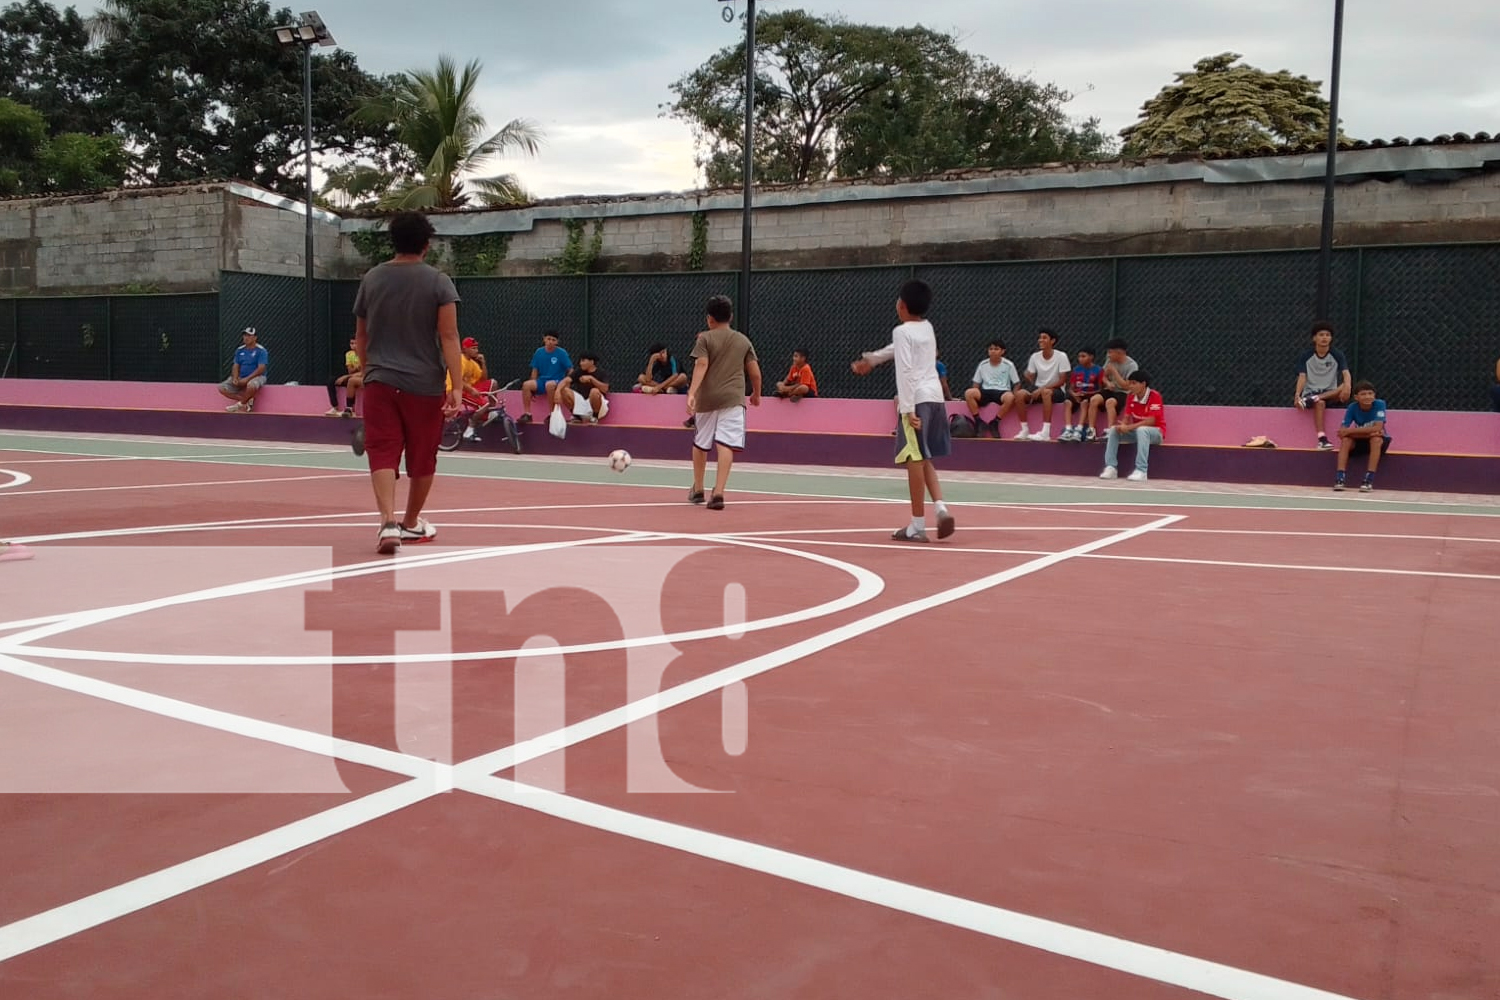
<point x="1110" y="472"/>
<point x="389" y="539"/>
<point x="1023" y="434"/>
<point x="423" y="532"/>
<point x="234" y="408"/>
<point x="1136" y="477"/>
<point x="1066" y="435"/>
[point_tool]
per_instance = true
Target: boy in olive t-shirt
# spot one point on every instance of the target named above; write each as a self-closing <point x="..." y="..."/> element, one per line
<point x="723" y="358"/>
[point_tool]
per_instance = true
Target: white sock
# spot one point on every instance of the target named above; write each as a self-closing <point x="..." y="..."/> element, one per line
<point x="917" y="526"/>
<point x="942" y="508"/>
<point x="1046" y="430"/>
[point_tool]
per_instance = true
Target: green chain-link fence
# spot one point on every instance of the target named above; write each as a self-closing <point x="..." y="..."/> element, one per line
<point x="1419" y="321"/>
<point x="157" y="338"/>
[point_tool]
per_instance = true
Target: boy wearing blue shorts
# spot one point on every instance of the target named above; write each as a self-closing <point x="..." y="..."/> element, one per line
<point x="922" y="421"/>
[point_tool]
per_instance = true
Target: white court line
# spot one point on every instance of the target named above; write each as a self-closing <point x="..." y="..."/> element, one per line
<point x="323" y="745"/>
<point x="73" y="918"/>
<point x="145" y="458"/>
<point x="158" y="887"/>
<point x="1091" y="947"/>
<point x="540" y="746"/>
<point x="1378" y="571"/>
<point x="16" y="479"/>
<point x="1328" y="534"/>
<point x="176" y="486"/>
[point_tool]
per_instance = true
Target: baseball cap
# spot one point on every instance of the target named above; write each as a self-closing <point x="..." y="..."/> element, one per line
<point x="248" y="331"/>
<point x="470" y="342"/>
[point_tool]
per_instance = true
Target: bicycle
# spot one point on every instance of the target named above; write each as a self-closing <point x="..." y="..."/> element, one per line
<point x="453" y="430"/>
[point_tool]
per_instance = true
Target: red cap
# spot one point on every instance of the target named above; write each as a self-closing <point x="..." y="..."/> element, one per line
<point x="470" y="342"/>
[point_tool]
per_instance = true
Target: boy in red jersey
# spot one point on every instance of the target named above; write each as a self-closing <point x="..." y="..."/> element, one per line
<point x="1144" y="422"/>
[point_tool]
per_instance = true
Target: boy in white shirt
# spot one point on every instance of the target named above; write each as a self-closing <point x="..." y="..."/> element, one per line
<point x="1047" y="371"/>
<point x="922" y="424"/>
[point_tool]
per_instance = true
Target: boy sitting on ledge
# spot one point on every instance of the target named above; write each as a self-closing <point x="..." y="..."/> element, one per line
<point x="1364" y="431"/>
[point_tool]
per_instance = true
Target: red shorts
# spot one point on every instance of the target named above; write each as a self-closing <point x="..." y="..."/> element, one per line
<point x="397" y="422"/>
<point x="473" y="394"/>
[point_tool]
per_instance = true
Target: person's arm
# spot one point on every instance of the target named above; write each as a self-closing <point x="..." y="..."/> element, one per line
<point x="873" y="359"/>
<point x="599" y="384"/>
<point x="700" y="369"/>
<point x="752" y="372"/>
<point x="1497" y="371"/>
<point x="908" y="377"/>
<point x="484" y="368"/>
<point x="1301" y="384"/>
<point x="447" y="328"/>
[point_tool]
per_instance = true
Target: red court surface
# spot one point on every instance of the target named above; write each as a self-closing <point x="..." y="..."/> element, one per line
<point x="594" y="742"/>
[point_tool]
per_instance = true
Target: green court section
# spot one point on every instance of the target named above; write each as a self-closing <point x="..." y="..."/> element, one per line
<point x="874" y="484"/>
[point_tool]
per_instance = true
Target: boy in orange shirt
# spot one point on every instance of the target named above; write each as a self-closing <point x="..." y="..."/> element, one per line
<point x="799" y="380"/>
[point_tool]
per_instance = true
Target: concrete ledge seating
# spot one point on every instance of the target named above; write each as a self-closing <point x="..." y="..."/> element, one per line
<point x="1431" y="450"/>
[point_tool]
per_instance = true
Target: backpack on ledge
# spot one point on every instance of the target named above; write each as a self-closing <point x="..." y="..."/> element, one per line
<point x="960" y="426"/>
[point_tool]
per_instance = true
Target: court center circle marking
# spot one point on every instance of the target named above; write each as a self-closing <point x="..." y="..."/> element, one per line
<point x="16" y="479"/>
<point x="868" y="585"/>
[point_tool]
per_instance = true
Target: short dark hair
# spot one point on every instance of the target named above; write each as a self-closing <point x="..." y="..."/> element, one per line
<point x="1116" y="344"/>
<point x="410" y="232"/>
<point x="720" y="309"/>
<point x="997" y="342"/>
<point x="1363" y="385"/>
<point x="1048" y="333"/>
<point x="589" y="356"/>
<point x="917" y="295"/>
<point x="802" y="351"/>
<point x="552" y="334"/>
<point x="1320" y="326"/>
<point x="656" y="348"/>
<point x="1138" y="376"/>
<point x="1085" y="350"/>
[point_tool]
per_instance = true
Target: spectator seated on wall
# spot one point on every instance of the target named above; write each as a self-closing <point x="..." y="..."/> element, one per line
<point x="1495" y="390"/>
<point x="1047" y="373"/>
<point x="1144" y="422"/>
<point x="585" y="392"/>
<point x="662" y="373"/>
<point x="351" y="380"/>
<point x="1322" y="378"/>
<point x="1364" y="431"/>
<point x="1084" y="383"/>
<point x="247" y="373"/>
<point x="800" y="381"/>
<point x="995" y="381"/>
<point x="1118" y="367"/>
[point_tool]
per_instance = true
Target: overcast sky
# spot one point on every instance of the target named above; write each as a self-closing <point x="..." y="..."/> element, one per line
<point x="593" y="73"/>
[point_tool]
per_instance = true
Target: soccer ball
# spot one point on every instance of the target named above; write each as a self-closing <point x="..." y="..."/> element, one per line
<point x="619" y="460"/>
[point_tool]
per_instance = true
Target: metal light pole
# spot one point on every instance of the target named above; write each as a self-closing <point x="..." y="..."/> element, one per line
<point x="749" y="179"/>
<point x="308" y="32"/>
<point x="1325" y="252"/>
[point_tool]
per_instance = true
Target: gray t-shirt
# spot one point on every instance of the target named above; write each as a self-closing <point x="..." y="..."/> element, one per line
<point x="399" y="304"/>
<point x="1124" y="369"/>
<point x="1323" y="374"/>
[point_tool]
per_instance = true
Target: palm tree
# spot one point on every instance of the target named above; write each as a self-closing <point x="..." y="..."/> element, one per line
<point x="436" y="117"/>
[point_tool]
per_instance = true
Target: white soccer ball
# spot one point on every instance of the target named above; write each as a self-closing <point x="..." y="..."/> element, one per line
<point x="619" y="460"/>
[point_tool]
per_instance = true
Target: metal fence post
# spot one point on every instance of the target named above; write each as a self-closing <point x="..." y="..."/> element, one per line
<point x="109" y="340"/>
<point x="1114" y="297"/>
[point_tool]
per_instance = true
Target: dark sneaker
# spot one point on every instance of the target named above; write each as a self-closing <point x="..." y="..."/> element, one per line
<point x="1338" y="486"/>
<point x="946" y="525"/>
<point x="993" y="427"/>
<point x="716" y="502"/>
<point x="694" y="497"/>
<point x="525" y="419"/>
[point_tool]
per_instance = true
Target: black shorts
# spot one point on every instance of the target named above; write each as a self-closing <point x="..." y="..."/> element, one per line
<point x="1118" y="397"/>
<point x="1361" y="446"/>
<point x="1058" y="395"/>
<point x="996" y="396"/>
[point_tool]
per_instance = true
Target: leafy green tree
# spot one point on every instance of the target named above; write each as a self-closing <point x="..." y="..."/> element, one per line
<point x="45" y="64"/>
<point x="835" y="98"/>
<point x="434" y="114"/>
<point x="32" y="162"/>
<point x="1221" y="107"/>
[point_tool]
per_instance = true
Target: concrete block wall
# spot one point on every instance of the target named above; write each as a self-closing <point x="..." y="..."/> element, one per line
<point x="263" y="239"/>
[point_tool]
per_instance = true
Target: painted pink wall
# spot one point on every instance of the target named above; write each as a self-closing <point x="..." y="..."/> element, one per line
<point x="1414" y="431"/>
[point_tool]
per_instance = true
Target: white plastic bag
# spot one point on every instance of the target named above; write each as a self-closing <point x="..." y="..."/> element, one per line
<point x="557" y="424"/>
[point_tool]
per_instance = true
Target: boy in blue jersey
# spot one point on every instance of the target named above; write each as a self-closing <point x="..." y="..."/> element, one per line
<point x="1364" y="430"/>
<point x="247" y="373"/>
<point x="549" y="366"/>
<point x="1084" y="390"/>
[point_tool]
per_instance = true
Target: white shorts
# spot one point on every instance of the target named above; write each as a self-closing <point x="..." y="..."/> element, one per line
<point x="581" y="407"/>
<point x="726" y="427"/>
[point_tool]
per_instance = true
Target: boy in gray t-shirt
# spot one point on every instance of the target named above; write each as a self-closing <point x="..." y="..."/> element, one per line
<point x="1322" y="378"/>
<point x="1118" y="367"/>
<point x="406" y="336"/>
